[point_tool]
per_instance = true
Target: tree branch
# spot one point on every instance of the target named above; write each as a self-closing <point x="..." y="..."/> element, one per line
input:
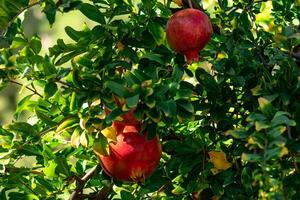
<point x="77" y="192"/>
<point x="102" y="194"/>
<point x="20" y="11"/>
<point x="192" y="4"/>
<point x="290" y="137"/>
<point x="28" y="88"/>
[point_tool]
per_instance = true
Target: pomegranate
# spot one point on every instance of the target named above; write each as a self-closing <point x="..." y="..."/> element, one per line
<point x="188" y="31"/>
<point x="133" y="157"/>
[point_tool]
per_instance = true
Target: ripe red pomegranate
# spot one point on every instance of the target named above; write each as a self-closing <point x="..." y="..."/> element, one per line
<point x="133" y="157"/>
<point x="188" y="31"/>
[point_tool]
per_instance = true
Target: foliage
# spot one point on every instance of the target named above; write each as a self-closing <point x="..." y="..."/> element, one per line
<point x="229" y="124"/>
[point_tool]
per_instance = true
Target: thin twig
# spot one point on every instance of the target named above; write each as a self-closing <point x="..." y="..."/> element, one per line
<point x="34" y="92"/>
<point x="20" y="11"/>
<point x="28" y="88"/>
<point x="102" y="194"/>
<point x="75" y="195"/>
<point x="28" y="187"/>
<point x="190" y="4"/>
<point x="290" y="137"/>
<point x="220" y="4"/>
<point x="48" y="130"/>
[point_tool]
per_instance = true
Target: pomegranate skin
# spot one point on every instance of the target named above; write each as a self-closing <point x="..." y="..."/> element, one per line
<point x="133" y="157"/>
<point x="188" y="31"/>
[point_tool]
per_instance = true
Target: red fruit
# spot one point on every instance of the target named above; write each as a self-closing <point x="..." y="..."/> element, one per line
<point x="188" y="31"/>
<point x="133" y="157"/>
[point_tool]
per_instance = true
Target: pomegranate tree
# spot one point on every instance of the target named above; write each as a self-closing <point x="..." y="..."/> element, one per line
<point x="132" y="157"/>
<point x="188" y="31"/>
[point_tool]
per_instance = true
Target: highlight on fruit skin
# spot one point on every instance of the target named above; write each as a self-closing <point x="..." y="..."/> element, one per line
<point x="188" y="31"/>
<point x="132" y="157"/>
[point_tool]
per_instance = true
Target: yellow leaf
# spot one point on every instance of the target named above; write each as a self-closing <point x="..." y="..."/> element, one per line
<point x="214" y="171"/>
<point x="75" y="138"/>
<point x="120" y="46"/>
<point x="215" y="198"/>
<point x="221" y="56"/>
<point x="96" y="102"/>
<point x="32" y="2"/>
<point x="250" y="140"/>
<point x="110" y="133"/>
<point x="263" y="102"/>
<point x="284" y="151"/>
<point x="83" y="139"/>
<point x="101" y="146"/>
<point x="219" y="160"/>
<point x="178" y="2"/>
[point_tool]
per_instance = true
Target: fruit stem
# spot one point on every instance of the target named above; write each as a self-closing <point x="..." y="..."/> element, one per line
<point x="190" y="4"/>
<point x="191" y="56"/>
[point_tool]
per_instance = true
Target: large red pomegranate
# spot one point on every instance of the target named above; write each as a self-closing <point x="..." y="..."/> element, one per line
<point x="188" y="31"/>
<point x="133" y="157"/>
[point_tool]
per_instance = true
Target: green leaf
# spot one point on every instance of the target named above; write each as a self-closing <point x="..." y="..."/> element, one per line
<point x="259" y="125"/>
<point x="73" y="34"/>
<point x="125" y="195"/>
<point x="9" y="10"/>
<point x="153" y="57"/>
<point x="151" y="130"/>
<point x="23" y="128"/>
<point x="50" y="11"/>
<point x="92" y="13"/>
<point x="35" y="44"/>
<point x="246" y="178"/>
<point x="44" y="116"/>
<point x="25" y="104"/>
<point x="113" y="115"/>
<point x="117" y="88"/>
<point x="207" y="81"/>
<point x="66" y="124"/>
<point x="282" y="119"/>
<point x="50" y="89"/>
<point x="178" y="190"/>
<point x="132" y="102"/>
<point x="67" y="57"/>
<point x="246" y="157"/>
<point x="276" y="131"/>
<point x="256" y="117"/>
<point x="186" y="105"/>
<point x="49" y="171"/>
<point x="73" y="102"/>
<point x="62" y="167"/>
<point x="18" y="43"/>
<point x="265" y="105"/>
<point x="168" y="107"/>
<point x="240" y="133"/>
<point x="156" y="31"/>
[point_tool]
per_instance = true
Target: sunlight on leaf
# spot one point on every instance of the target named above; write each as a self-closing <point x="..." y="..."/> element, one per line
<point x="110" y="133"/>
<point x="219" y="161"/>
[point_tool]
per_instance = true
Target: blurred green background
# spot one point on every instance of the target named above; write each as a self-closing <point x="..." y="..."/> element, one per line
<point x="35" y="22"/>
